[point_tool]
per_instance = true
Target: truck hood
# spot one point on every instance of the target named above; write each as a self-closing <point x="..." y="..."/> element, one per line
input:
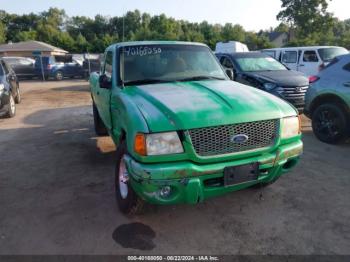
<point x="188" y="105"/>
<point x="282" y="78"/>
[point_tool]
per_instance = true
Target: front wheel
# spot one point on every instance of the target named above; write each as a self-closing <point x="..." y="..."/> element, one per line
<point x="330" y="124"/>
<point x="12" y="107"/>
<point x="59" y="75"/>
<point x="18" y="96"/>
<point x="128" y="201"/>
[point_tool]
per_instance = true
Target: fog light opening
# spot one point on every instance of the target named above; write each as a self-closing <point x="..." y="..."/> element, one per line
<point x="290" y="163"/>
<point x="165" y="191"/>
<point x="264" y="172"/>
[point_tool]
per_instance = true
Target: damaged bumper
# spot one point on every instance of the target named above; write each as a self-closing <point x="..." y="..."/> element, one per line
<point x="187" y="182"/>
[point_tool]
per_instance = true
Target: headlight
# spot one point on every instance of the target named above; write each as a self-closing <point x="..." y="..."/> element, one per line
<point x="290" y="127"/>
<point x="158" y="144"/>
<point x="2" y="87"/>
<point x="269" y="86"/>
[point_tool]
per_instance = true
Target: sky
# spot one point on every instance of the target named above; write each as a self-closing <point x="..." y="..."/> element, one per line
<point x="253" y="15"/>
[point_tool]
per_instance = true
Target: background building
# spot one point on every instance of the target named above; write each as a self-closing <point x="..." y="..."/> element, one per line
<point x="30" y="49"/>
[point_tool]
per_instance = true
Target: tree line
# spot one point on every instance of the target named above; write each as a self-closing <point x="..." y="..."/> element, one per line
<point x="306" y="20"/>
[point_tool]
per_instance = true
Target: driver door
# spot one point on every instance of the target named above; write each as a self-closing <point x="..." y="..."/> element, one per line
<point x="103" y="95"/>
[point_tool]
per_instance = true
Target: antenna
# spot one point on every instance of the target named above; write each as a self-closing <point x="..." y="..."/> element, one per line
<point x="123" y="26"/>
<point x="122" y="54"/>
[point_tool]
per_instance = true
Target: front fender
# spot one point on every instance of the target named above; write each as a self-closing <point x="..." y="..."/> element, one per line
<point x="126" y="120"/>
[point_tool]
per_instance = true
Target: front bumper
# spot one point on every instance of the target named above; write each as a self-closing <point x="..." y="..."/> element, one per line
<point x="192" y="183"/>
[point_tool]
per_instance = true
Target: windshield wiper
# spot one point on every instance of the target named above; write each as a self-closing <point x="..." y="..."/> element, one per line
<point x="198" y="78"/>
<point x="146" y="81"/>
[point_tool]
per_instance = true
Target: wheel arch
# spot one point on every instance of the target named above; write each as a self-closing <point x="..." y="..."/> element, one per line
<point x="329" y="98"/>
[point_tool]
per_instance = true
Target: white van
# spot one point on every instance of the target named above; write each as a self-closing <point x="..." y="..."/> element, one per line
<point x="230" y="47"/>
<point x="308" y="59"/>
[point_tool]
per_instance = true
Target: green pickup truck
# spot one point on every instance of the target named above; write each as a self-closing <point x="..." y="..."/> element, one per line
<point x="184" y="131"/>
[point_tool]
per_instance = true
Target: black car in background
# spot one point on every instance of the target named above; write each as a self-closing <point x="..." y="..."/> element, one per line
<point x="9" y="90"/>
<point x="264" y="72"/>
<point x="22" y="66"/>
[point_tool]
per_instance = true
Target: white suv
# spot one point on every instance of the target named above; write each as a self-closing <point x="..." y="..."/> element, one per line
<point x="308" y="59"/>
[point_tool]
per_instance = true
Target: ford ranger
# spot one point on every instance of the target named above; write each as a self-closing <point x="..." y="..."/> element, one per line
<point x="184" y="132"/>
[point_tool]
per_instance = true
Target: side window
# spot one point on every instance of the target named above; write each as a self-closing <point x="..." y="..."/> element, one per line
<point x="226" y="62"/>
<point x="108" y="68"/>
<point x="310" y="56"/>
<point x="290" y="57"/>
<point x="270" y="53"/>
<point x="5" y="68"/>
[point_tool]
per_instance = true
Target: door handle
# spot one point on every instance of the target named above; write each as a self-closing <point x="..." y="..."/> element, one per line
<point x="302" y="65"/>
<point x="98" y="92"/>
<point x="347" y="84"/>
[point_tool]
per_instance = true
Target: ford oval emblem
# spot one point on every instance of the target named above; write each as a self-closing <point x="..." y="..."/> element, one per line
<point x="239" y="139"/>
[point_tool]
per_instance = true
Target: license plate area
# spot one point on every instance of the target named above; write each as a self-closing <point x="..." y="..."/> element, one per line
<point x="240" y="174"/>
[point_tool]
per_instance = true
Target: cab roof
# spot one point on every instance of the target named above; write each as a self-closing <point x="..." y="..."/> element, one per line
<point x="301" y="47"/>
<point x="135" y="43"/>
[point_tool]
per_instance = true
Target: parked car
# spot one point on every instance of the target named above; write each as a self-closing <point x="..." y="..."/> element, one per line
<point x="22" y="66"/>
<point x="185" y="132"/>
<point x="264" y="72"/>
<point x="9" y="90"/>
<point x="58" y="69"/>
<point x="308" y="60"/>
<point x="328" y="101"/>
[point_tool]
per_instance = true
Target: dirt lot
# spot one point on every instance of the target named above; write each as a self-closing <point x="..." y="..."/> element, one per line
<point x="57" y="196"/>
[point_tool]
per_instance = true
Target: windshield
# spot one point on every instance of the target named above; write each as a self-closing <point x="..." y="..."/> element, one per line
<point x="164" y="63"/>
<point x="328" y="54"/>
<point x="250" y="64"/>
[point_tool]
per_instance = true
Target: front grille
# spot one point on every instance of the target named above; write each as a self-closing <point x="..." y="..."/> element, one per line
<point x="295" y="96"/>
<point x="295" y="92"/>
<point x="217" y="140"/>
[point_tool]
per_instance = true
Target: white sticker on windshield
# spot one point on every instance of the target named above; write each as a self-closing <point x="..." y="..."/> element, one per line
<point x="142" y="50"/>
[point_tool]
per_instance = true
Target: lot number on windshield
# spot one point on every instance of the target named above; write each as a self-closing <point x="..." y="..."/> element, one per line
<point x="142" y="51"/>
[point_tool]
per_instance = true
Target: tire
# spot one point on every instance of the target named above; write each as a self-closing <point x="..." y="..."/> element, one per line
<point x="128" y="201"/>
<point x="330" y="124"/>
<point x="59" y="76"/>
<point x="100" y="128"/>
<point x="18" y="98"/>
<point x="12" y="107"/>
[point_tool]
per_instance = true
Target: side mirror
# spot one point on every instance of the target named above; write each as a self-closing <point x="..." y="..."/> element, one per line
<point x="105" y="82"/>
<point x="230" y="74"/>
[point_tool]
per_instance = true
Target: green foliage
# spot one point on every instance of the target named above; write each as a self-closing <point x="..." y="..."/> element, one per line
<point x="2" y="33"/>
<point x="26" y="36"/>
<point x="81" y="34"/>
<point x="309" y="19"/>
<point x="282" y="28"/>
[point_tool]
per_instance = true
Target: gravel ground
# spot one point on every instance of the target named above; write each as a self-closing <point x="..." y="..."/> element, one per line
<point x="57" y="194"/>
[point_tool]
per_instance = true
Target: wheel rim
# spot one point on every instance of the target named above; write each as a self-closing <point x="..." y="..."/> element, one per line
<point x="328" y="123"/>
<point x="123" y="179"/>
<point x="12" y="105"/>
<point x="59" y="75"/>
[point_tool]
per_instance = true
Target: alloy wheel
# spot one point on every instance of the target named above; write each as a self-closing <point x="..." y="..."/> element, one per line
<point x="123" y="179"/>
